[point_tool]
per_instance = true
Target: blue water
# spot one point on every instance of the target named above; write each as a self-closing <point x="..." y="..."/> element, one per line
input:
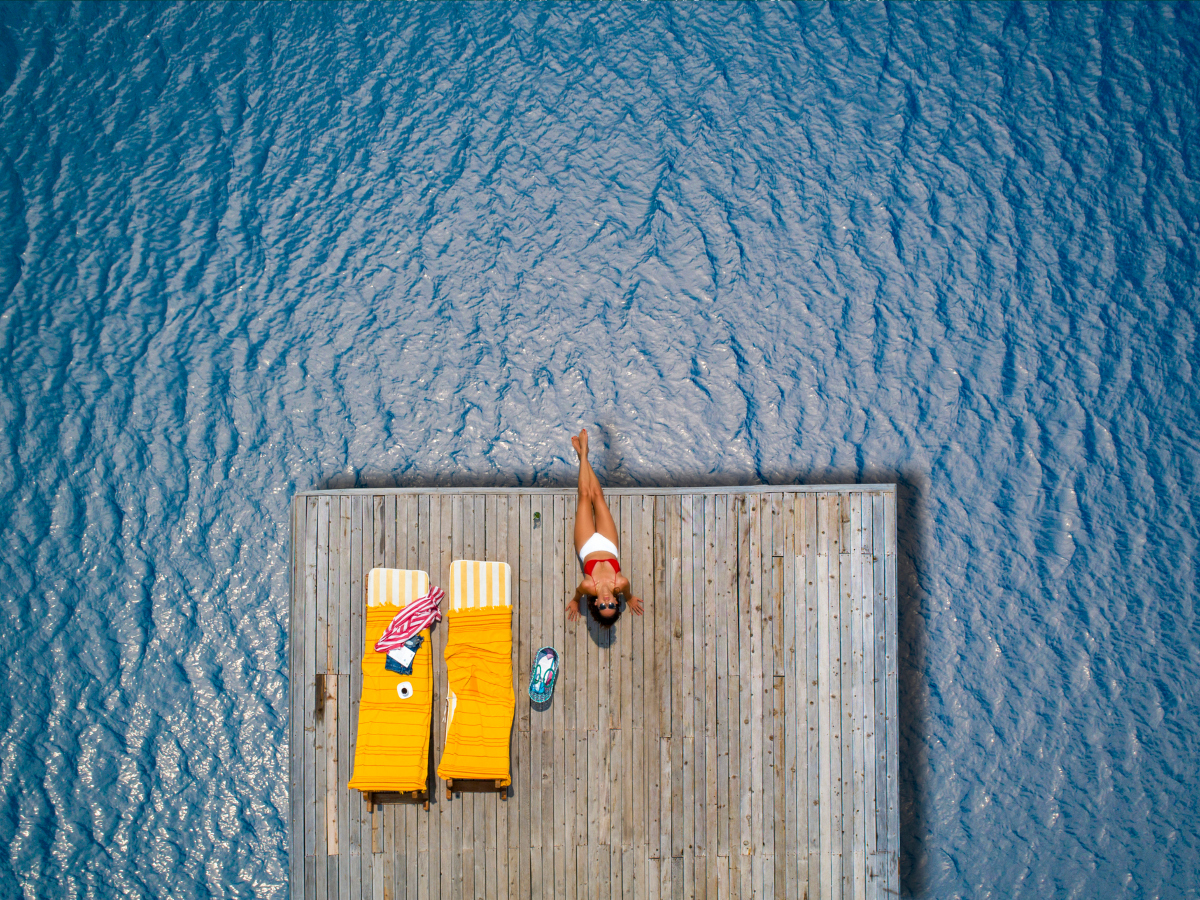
<point x="252" y="249"/>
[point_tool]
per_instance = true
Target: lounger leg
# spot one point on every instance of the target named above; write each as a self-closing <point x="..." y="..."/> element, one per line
<point x="449" y="788"/>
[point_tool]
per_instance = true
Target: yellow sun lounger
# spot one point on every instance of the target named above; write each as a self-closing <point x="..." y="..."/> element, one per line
<point x="392" y="753"/>
<point x="481" y="702"/>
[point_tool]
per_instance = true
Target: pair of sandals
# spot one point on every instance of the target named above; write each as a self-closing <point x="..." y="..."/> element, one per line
<point x="544" y="675"/>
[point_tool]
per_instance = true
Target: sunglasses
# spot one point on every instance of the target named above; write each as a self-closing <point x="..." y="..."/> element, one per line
<point x="612" y="605"/>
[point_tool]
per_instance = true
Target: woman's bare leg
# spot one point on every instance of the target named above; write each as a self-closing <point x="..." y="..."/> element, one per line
<point x="585" y="519"/>
<point x="591" y="513"/>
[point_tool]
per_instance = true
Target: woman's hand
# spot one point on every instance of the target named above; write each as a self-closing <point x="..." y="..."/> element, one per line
<point x="573" y="609"/>
<point x="635" y="605"/>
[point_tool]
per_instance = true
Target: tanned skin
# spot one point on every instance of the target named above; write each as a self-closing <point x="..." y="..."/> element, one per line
<point x="592" y="516"/>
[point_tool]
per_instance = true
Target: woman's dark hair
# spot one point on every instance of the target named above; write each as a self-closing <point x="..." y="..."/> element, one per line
<point x="606" y="622"/>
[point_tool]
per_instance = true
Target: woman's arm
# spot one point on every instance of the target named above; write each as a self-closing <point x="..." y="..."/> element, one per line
<point x="635" y="604"/>
<point x="573" y="604"/>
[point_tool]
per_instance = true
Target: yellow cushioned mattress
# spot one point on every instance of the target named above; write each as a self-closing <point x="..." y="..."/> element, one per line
<point x="392" y="752"/>
<point x="479" y="671"/>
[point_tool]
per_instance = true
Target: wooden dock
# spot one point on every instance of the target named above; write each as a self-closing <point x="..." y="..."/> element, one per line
<point x="737" y="741"/>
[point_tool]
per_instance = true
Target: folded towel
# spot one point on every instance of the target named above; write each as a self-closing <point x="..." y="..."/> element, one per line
<point x="414" y="618"/>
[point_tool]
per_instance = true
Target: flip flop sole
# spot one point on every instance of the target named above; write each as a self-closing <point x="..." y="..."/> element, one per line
<point x="542" y="689"/>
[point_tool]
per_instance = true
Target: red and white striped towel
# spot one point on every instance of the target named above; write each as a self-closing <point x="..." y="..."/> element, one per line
<point x="413" y="619"/>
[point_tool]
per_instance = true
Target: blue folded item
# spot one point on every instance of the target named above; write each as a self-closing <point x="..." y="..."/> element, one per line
<point x="400" y="661"/>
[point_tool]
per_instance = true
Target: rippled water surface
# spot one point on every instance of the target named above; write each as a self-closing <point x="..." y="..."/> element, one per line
<point x="253" y="249"/>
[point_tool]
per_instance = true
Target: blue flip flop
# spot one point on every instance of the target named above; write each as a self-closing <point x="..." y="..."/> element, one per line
<point x="544" y="675"/>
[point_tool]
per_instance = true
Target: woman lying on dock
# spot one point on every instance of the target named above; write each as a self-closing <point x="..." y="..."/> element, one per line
<point x="596" y="544"/>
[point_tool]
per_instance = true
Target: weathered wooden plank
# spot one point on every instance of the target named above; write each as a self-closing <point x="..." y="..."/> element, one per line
<point x="316" y="530"/>
<point x="653" y="879"/>
<point x="296" y="614"/>
<point x="542" y="739"/>
<point x="339" y="613"/>
<point x="628" y="778"/>
<point x="516" y="793"/>
<point x="779" y="846"/>
<point x="892" y="678"/>
<point x="587" y="799"/>
<point x="329" y="569"/>
<point x="722" y="601"/>
<point x="811" y="805"/>
<point x="523" y="613"/>
<point x="392" y="845"/>
<point x="510" y="820"/>
<point x="707" y="775"/>
<point x="359" y="876"/>
<point x="771" y="603"/>
<point x="685" y="717"/>
<point x="772" y="690"/>
<point x="724" y="888"/>
<point x="879" y="653"/>
<point x="680" y="675"/>
<point x="600" y="743"/>
<point x="523" y="778"/>
<point x="565" y="710"/>
<point x="664" y="766"/>
<point x="334" y="836"/>
<point x="563" y="783"/>
<point x="795" y="727"/>
<point x="615" y="777"/>
<point x="385" y="868"/>
<point x="747" y="758"/>
<point x="599" y="871"/>
<point x="333" y="866"/>
<point x="352" y="530"/>
<point x="757" y="683"/>
<point x="338" y="715"/>
<point x="660" y="814"/>
<point x="699" y="673"/>
<point x="867" y="603"/>
<point x="846" y="725"/>
<point x="839" y="687"/>
<point x="854" y="548"/>
<point x="640" y="584"/>
<point x="700" y="667"/>
<point x="825" y="728"/>
<point x="327" y="572"/>
<point x="551" y="515"/>
<point x="539" y="525"/>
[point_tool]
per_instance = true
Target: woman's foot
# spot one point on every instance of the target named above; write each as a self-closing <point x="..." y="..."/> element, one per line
<point x="580" y="443"/>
